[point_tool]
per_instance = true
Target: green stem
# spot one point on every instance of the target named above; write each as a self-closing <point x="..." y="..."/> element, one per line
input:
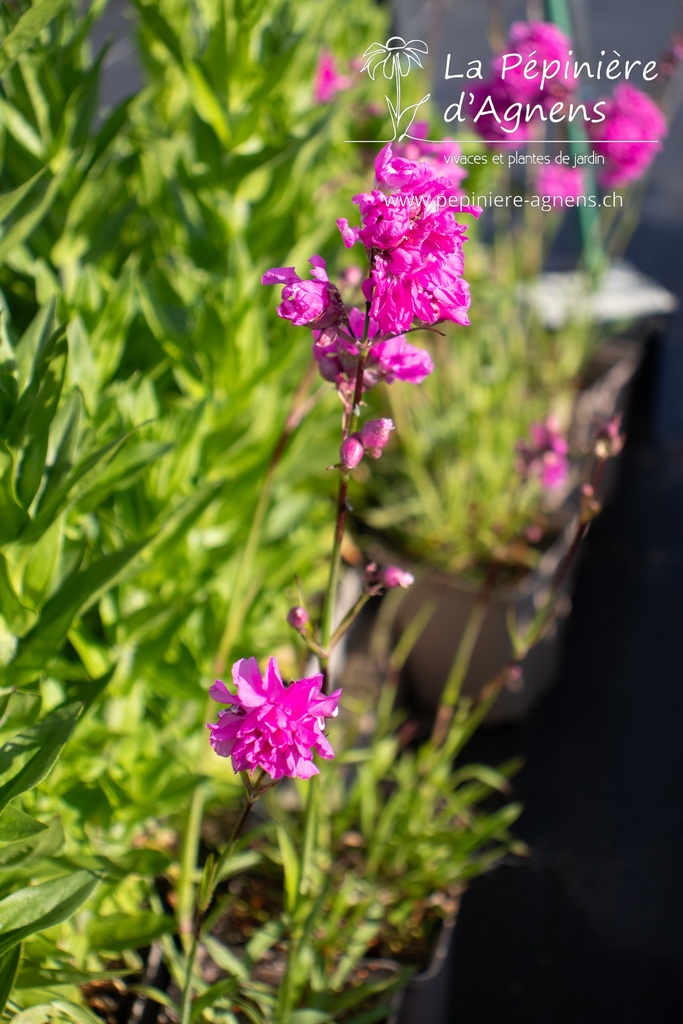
<point x="250" y="799"/>
<point x="286" y="993"/>
<point x="188" y="863"/>
<point x="350" y="423"/>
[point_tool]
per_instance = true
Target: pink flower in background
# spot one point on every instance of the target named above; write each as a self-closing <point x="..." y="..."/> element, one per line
<point x="433" y="153"/>
<point x="630" y="117"/>
<point x="271" y="726"/>
<point x="388" y="360"/>
<point x="534" y="41"/>
<point x="562" y="182"/>
<point x="491" y="128"/>
<point x="315" y="303"/>
<point x="540" y="41"/>
<point x="327" y="83"/>
<point x="545" y="459"/>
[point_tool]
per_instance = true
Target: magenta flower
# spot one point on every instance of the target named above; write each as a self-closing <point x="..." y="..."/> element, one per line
<point x="315" y="303"/>
<point x="506" y="123"/>
<point x="516" y="82"/>
<point x="388" y="360"/>
<point x="271" y="726"/>
<point x="327" y="83"/>
<point x="560" y="182"/>
<point x="540" y="41"/>
<point x="545" y="459"/>
<point x="414" y="244"/>
<point x="630" y="118"/>
<point x="435" y="154"/>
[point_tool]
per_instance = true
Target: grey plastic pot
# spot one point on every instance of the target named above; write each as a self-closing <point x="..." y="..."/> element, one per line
<point x="426" y="997"/>
<point x="429" y="663"/>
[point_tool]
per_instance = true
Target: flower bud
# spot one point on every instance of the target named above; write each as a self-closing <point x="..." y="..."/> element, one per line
<point x="297" y="618"/>
<point x="351" y="452"/>
<point x="375" y="434"/>
<point x="392" y="576"/>
<point x="609" y="439"/>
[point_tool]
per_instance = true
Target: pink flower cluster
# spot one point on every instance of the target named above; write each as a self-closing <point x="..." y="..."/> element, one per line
<point x="269" y="725"/>
<point x="631" y="117"/>
<point x="545" y="459"/>
<point x="561" y="182"/>
<point x="414" y="245"/>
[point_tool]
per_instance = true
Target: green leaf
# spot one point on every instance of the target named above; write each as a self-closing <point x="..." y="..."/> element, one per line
<point x="9" y="964"/>
<point x="30" y="755"/>
<point x="38" y="907"/>
<point x="310" y="1017"/>
<point x="212" y="994"/>
<point x="10" y="200"/>
<point x="27" y="30"/>
<point x="290" y="863"/>
<point x="16" y="826"/>
<point x="17" y="711"/>
<point x="33" y="343"/>
<point x="59" y="1011"/>
<point x="20" y="230"/>
<point x="46" y="843"/>
<point x="37" y="423"/>
<point x="76" y="594"/>
<point x="78" y="1014"/>
<point x="119" y="932"/>
<point x="13" y="518"/>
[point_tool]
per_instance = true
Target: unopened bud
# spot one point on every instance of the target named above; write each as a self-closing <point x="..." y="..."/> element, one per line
<point x="392" y="576"/>
<point x="351" y="452"/>
<point x="375" y="434"/>
<point x="609" y="439"/>
<point x="297" y="618"/>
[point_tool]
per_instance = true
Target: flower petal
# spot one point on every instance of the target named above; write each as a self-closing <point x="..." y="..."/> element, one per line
<point x="247" y="679"/>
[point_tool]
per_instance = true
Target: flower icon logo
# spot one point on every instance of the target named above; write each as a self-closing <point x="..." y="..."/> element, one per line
<point x="395" y="58"/>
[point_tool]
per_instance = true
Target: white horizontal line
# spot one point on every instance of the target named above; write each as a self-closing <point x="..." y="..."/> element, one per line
<point x="516" y="142"/>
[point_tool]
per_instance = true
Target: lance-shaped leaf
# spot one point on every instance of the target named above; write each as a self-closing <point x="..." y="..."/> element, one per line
<point x="27" y="758"/>
<point x="38" y="907"/>
<point x="27" y="29"/>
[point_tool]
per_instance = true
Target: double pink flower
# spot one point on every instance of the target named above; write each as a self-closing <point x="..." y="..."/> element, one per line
<point x="414" y="244"/>
<point x="269" y="725"/>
